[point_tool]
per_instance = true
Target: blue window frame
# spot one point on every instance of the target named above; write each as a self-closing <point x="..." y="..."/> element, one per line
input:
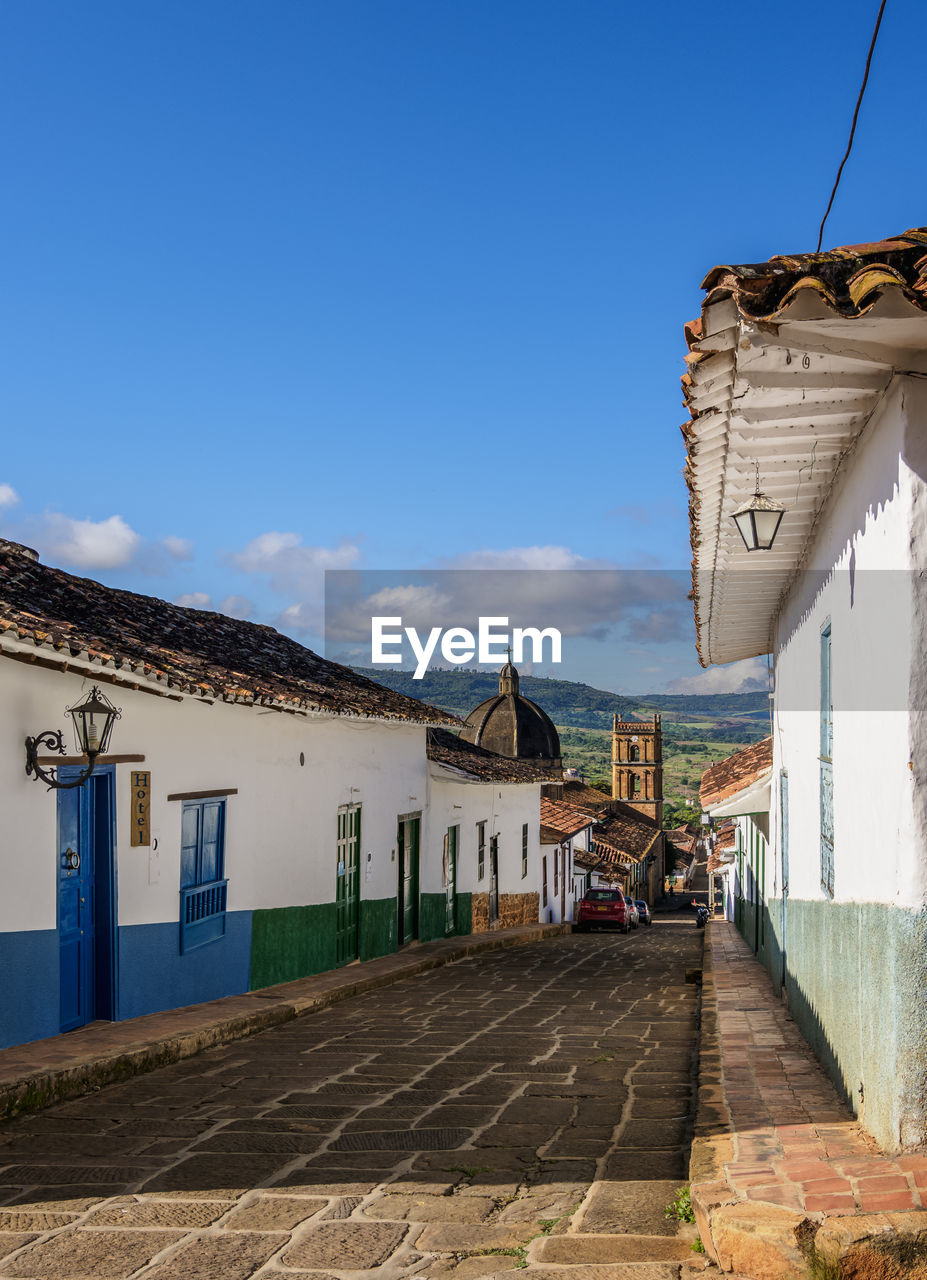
<point x="203" y="888"/>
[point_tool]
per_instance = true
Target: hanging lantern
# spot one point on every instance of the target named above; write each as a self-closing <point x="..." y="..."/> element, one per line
<point x="758" y="519"/>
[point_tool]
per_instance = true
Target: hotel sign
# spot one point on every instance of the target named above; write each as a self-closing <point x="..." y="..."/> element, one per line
<point x="140" y="808"/>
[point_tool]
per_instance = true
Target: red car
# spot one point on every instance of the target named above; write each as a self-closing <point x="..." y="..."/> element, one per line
<point x="603" y="907"/>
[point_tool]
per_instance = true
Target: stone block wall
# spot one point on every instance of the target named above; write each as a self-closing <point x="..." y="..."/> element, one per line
<point x="514" y="909"/>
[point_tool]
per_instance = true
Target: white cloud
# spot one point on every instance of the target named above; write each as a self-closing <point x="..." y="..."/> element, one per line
<point x="549" y="557"/>
<point x="748" y="676"/>
<point x="91" y="544"/>
<point x="178" y="548"/>
<point x="194" y="600"/>
<point x="293" y="569"/>
<point x="239" y="607"/>
<point x="8" y="496"/>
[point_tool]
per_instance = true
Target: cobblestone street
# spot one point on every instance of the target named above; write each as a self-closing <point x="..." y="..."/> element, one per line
<point x="527" y="1106"/>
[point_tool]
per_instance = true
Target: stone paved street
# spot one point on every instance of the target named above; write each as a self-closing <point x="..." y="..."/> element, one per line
<point x="523" y="1106"/>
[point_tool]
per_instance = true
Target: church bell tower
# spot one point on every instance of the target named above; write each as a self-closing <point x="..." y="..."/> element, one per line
<point x="637" y="766"/>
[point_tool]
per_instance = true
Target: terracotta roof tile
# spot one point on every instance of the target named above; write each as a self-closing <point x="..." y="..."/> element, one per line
<point x="448" y="749"/>
<point x="738" y="771"/>
<point x="628" y="838"/>
<point x="847" y="282"/>
<point x="187" y="650"/>
<point x="582" y="796"/>
<point x="560" y="821"/>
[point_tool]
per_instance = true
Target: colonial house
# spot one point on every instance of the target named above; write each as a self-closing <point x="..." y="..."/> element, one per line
<point x="483" y="811"/>
<point x="739" y="788"/>
<point x="257" y="814"/>
<point x="807" y="386"/>
<point x="562" y="827"/>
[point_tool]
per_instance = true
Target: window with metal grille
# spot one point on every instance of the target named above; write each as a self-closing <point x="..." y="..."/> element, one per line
<point x="203" y="888"/>
<point x="524" y="850"/>
<point x="480" y="850"/>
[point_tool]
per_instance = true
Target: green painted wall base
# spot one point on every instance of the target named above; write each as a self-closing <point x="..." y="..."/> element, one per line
<point x="855" y="978"/>
<point x="291" y="942"/>
<point x="379" y="924"/>
<point x="464" y="914"/>
<point x="432" y="916"/>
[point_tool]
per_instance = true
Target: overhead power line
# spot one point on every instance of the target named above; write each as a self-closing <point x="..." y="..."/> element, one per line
<point x="859" y="101"/>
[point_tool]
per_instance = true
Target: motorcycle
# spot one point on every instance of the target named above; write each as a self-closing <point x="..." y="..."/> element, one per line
<point x="701" y="917"/>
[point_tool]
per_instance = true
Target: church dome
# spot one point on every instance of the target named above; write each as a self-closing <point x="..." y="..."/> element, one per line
<point x="512" y="725"/>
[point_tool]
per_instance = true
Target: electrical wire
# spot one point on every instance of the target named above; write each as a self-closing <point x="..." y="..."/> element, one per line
<point x="859" y="102"/>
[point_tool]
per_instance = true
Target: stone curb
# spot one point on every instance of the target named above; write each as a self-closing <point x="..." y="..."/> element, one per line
<point x="766" y="1241"/>
<point x="33" y="1091"/>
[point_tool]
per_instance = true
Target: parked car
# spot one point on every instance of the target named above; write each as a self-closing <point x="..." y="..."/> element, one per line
<point x="634" y="918"/>
<point x="643" y="911"/>
<point x="605" y="908"/>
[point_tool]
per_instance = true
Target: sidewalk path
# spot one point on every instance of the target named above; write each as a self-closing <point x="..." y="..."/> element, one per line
<point x="42" y="1072"/>
<point x="783" y="1176"/>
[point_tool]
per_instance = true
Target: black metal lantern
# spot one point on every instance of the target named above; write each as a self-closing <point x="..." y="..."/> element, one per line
<point x="758" y="519"/>
<point x="93" y="726"/>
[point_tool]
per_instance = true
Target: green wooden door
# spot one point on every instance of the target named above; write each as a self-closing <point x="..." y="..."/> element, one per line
<point x="408" y="839"/>
<point x="450" y="879"/>
<point x="348" y="882"/>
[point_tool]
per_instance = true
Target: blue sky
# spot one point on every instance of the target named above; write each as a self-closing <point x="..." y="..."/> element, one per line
<point x="393" y="285"/>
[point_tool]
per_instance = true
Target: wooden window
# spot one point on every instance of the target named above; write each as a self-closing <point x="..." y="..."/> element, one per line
<point x="203" y="887"/>
<point x="524" y="850"/>
<point x="480" y="850"/>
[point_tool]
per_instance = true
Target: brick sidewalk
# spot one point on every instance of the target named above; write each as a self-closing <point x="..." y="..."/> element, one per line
<point x="35" y="1075"/>
<point x="781" y="1170"/>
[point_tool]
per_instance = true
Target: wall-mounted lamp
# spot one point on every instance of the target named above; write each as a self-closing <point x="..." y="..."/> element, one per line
<point x="758" y="519"/>
<point x="93" y="726"/>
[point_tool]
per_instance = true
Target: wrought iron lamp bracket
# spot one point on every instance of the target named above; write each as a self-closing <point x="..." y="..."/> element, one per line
<point x="51" y="740"/>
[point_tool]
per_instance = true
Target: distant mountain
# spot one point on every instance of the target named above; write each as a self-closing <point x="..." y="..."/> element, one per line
<point x="570" y="704"/>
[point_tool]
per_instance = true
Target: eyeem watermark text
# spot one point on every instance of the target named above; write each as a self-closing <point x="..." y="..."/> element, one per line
<point x="459" y="644"/>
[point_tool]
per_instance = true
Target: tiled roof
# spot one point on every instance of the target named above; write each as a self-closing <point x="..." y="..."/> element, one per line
<point x="848" y="280"/>
<point x="585" y="797"/>
<point x="727" y="839"/>
<point x="681" y="840"/>
<point x="625" y="837"/>
<point x="559" y="821"/>
<point x="188" y="651"/>
<point x="448" y="749"/>
<point x="737" y="772"/>
<point x="785" y="367"/>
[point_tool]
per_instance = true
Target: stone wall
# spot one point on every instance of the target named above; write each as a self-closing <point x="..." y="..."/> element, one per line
<point x="514" y="909"/>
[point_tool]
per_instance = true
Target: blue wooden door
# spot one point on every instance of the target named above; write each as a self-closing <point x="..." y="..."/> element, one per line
<point x="86" y="914"/>
<point x="75" y="906"/>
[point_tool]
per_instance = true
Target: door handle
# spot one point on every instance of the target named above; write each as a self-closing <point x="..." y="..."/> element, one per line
<point x="72" y="860"/>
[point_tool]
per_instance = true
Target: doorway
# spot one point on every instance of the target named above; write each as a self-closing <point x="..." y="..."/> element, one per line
<point x="408" y="844"/>
<point x="493" y="879"/>
<point x="87" y="898"/>
<point x="450" y="880"/>
<point x="347" y="893"/>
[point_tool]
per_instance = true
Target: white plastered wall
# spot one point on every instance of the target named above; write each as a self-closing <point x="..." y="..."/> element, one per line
<point x="505" y="807"/>
<point x="857" y="577"/>
<point x="281" y="826"/>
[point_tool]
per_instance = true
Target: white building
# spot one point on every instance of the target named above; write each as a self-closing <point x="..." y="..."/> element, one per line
<point x="739" y="788"/>
<point x="260" y="814"/>
<point x="483" y="810"/>
<point x="808" y="379"/>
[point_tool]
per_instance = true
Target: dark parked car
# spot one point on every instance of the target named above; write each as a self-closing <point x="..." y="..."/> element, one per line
<point x="634" y="918"/>
<point x="643" y="911"/>
<point x="602" y="907"/>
